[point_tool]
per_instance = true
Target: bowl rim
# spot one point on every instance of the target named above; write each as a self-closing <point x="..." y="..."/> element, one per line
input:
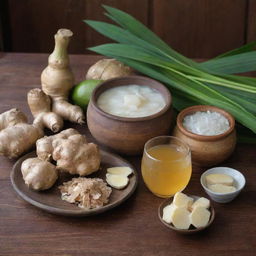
<point x="185" y="231"/>
<point x="193" y="109"/>
<point x="167" y="96"/>
<point x="219" y="168"/>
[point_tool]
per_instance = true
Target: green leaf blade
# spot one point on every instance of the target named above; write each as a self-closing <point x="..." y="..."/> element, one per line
<point x="244" y="62"/>
<point x="135" y="27"/>
<point x="245" y="48"/>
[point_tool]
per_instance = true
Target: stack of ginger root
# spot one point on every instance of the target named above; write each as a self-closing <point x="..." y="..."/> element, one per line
<point x="68" y="149"/>
<point x="49" y="106"/>
<point x="71" y="153"/>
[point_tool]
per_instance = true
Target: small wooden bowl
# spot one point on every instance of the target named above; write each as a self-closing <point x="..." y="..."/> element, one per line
<point x="192" y="229"/>
<point x="128" y="135"/>
<point x="207" y="150"/>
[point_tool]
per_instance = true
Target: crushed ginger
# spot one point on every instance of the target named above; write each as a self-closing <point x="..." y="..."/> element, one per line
<point x="88" y="193"/>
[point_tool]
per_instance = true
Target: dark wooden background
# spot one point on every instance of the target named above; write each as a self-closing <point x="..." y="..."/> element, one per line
<point x="196" y="28"/>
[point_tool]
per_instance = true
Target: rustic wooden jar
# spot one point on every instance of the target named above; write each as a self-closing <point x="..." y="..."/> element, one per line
<point x="207" y="150"/>
<point x="128" y="135"/>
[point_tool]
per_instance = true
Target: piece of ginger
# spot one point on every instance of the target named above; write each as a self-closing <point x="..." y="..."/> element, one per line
<point x="120" y="170"/>
<point x="182" y="200"/>
<point x="202" y="202"/>
<point x="184" y="211"/>
<point x="180" y="217"/>
<point x="221" y="188"/>
<point x="40" y="106"/>
<point x="117" y="181"/>
<point x="105" y="69"/>
<point x="219" y="178"/>
<point x="38" y="174"/>
<point x="75" y="156"/>
<point x="57" y="79"/>
<point x="11" y="117"/>
<point x="44" y="147"/>
<point x="17" y="136"/>
<point x="200" y="217"/>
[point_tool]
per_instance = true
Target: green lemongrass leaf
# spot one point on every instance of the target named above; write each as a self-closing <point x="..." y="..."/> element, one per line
<point x="245" y="48"/>
<point x="125" y="50"/>
<point x="246" y="95"/>
<point x="131" y="24"/>
<point x="138" y="53"/>
<point x="140" y="30"/>
<point x="225" y="83"/>
<point x="240" y="79"/>
<point x="125" y="37"/>
<point x="240" y="63"/>
<point x="181" y="102"/>
<point x="247" y="103"/>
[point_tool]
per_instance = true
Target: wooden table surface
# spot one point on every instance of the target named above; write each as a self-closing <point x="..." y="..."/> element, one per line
<point x="133" y="228"/>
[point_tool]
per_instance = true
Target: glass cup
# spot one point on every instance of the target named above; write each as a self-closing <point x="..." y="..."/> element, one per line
<point x="166" y="165"/>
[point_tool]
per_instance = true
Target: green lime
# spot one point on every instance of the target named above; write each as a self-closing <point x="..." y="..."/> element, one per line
<point x="82" y="92"/>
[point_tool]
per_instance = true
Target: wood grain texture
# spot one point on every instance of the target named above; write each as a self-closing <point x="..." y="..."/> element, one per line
<point x="202" y="28"/>
<point x="196" y="28"/>
<point x="251" y="21"/>
<point x="34" y="23"/>
<point x="132" y="228"/>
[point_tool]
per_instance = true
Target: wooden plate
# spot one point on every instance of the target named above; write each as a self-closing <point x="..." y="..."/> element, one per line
<point x="50" y="200"/>
<point x="192" y="229"/>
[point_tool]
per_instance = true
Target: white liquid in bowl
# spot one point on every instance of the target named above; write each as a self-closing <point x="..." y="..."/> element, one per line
<point x="131" y="101"/>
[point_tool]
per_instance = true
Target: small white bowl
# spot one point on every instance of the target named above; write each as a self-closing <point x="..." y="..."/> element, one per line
<point x="239" y="183"/>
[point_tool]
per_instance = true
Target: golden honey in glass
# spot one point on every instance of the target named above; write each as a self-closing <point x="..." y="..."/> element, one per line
<point x="166" y="165"/>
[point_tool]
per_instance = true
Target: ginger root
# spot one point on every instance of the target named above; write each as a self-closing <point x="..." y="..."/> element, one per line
<point x="40" y="106"/>
<point x="107" y="69"/>
<point x="57" y="79"/>
<point x="38" y="174"/>
<point x="11" y="117"/>
<point x="75" y="155"/>
<point x="17" y="136"/>
<point x="44" y="147"/>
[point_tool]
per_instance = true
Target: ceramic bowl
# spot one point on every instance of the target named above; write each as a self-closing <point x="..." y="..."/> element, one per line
<point x="192" y="229"/>
<point x="128" y="135"/>
<point x="207" y="150"/>
<point x="239" y="183"/>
